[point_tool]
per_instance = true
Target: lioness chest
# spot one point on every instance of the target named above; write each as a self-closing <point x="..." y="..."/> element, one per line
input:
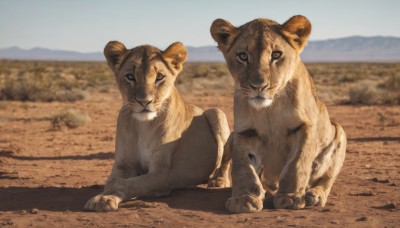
<point x="147" y="142"/>
<point x="273" y="128"/>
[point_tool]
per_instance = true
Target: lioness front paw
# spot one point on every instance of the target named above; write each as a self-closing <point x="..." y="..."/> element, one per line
<point x="219" y="182"/>
<point x="315" y="197"/>
<point x="102" y="203"/>
<point x="244" y="204"/>
<point x="289" y="201"/>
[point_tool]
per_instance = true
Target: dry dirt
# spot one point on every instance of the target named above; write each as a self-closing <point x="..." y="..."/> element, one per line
<point x="47" y="175"/>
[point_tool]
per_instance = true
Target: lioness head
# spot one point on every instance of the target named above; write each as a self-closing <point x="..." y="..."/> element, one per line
<point x="262" y="55"/>
<point x="145" y="75"/>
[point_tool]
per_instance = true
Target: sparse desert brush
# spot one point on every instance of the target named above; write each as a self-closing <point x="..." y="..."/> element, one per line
<point x="28" y="87"/>
<point x="51" y="81"/>
<point x="350" y="77"/>
<point x="392" y="83"/>
<point x="203" y="78"/>
<point x="70" y="81"/>
<point x="70" y="118"/>
<point x="23" y="87"/>
<point x="363" y="93"/>
<point x="390" y="98"/>
<point x="368" y="93"/>
<point x="204" y="70"/>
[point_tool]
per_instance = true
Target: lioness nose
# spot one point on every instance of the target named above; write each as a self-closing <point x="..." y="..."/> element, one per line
<point x="260" y="87"/>
<point x="144" y="101"/>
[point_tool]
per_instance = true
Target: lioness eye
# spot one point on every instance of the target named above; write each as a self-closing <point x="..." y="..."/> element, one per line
<point x="130" y="77"/>
<point x="160" y="77"/>
<point x="242" y="57"/>
<point x="276" y="55"/>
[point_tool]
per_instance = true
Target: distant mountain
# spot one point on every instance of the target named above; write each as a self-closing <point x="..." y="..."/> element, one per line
<point x="49" y="54"/>
<point x="355" y="48"/>
<point x="204" y="54"/>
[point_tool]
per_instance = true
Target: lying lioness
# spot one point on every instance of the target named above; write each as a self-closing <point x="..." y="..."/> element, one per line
<point x="284" y="142"/>
<point x="162" y="143"/>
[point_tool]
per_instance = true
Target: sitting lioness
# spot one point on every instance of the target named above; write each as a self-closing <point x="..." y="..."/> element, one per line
<point x="162" y="143"/>
<point x="284" y="144"/>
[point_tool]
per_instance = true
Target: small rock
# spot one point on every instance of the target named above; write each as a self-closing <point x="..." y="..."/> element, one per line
<point x="280" y="218"/>
<point x="34" y="211"/>
<point x="383" y="181"/>
<point x="23" y="212"/>
<point x="368" y="166"/>
<point x="159" y="221"/>
<point x="388" y="206"/>
<point x="363" y="194"/>
<point x="83" y="219"/>
<point x="8" y="222"/>
<point x="362" y="219"/>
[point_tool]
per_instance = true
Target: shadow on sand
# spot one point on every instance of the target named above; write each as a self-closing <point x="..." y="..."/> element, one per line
<point x="49" y="199"/>
<point x="372" y="139"/>
<point x="99" y="156"/>
<point x="73" y="199"/>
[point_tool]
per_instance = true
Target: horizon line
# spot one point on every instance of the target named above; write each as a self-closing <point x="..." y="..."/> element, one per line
<point x="188" y="46"/>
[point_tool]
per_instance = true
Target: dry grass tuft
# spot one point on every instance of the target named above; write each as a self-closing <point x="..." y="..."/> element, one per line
<point x="69" y="118"/>
<point x="363" y="93"/>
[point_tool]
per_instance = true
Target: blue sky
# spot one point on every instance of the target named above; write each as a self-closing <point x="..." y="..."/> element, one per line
<point x="87" y="25"/>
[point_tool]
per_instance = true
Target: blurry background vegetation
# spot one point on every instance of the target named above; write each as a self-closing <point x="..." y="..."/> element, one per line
<point x="337" y="83"/>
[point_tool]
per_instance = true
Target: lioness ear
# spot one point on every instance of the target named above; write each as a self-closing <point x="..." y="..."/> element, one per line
<point x="297" y="30"/>
<point x="224" y="33"/>
<point x="175" y="55"/>
<point x="114" y="51"/>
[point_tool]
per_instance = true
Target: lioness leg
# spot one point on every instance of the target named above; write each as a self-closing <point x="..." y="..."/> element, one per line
<point x="109" y="202"/>
<point x="318" y="194"/>
<point x="247" y="192"/>
<point x="125" y="183"/>
<point x="220" y="177"/>
<point x="118" y="190"/>
<point x="219" y="126"/>
<point x="106" y="201"/>
<point x="296" y="173"/>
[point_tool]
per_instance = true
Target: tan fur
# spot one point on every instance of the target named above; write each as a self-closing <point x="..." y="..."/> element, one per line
<point x="284" y="144"/>
<point x="162" y="143"/>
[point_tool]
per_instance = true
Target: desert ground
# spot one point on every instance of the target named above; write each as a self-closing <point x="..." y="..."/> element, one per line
<point x="51" y="165"/>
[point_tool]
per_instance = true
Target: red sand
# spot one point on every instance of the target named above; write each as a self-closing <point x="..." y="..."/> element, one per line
<point x="46" y="176"/>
